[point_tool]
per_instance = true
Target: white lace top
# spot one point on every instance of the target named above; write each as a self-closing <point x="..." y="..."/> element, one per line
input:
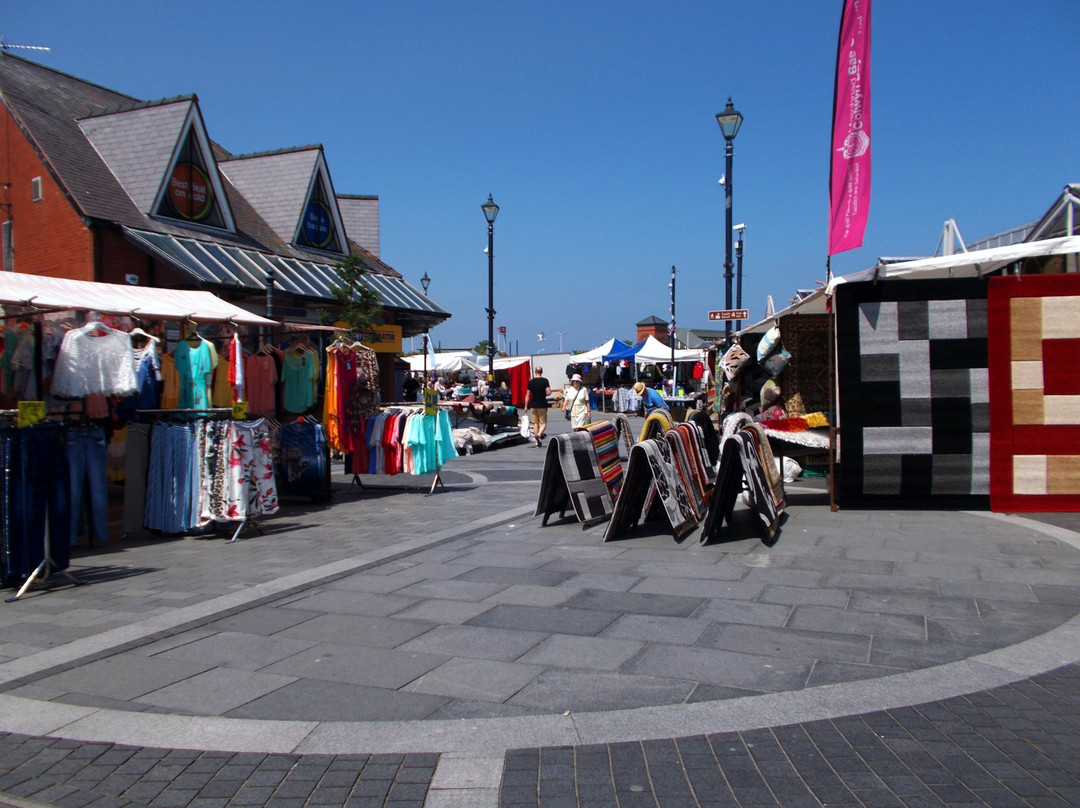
<point x="94" y="359"/>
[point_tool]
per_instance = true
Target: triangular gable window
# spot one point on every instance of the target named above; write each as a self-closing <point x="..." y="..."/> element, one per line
<point x="192" y="192"/>
<point x="320" y="225"/>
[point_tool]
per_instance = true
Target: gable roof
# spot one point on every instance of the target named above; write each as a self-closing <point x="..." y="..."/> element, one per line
<point x="360" y="213"/>
<point x="276" y="183"/>
<point x="137" y="144"/>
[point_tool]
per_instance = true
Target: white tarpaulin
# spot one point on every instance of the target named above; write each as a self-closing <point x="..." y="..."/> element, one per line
<point x="965" y="264"/>
<point x="443" y="363"/>
<point x="654" y="351"/>
<point x="144" y="302"/>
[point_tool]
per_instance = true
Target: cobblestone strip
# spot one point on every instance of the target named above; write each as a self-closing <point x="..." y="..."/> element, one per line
<point x="70" y="774"/>
<point x="1016" y="745"/>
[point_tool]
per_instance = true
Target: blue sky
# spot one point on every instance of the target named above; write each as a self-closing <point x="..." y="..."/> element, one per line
<point x="592" y="125"/>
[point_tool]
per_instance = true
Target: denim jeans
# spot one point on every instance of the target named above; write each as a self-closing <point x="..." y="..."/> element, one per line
<point x="169" y="487"/>
<point x="34" y="492"/>
<point x="86" y="461"/>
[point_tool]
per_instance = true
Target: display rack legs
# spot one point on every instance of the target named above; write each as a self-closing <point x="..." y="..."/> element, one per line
<point x="246" y="524"/>
<point x="437" y="481"/>
<point x="45" y="570"/>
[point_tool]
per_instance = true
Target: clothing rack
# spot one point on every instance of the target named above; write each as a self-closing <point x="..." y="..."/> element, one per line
<point x="47" y="567"/>
<point x="414" y="408"/>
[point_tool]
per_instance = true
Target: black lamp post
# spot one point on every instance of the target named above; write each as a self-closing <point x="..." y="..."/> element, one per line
<point x="425" y="282"/>
<point x="730" y="120"/>
<point x="491" y="210"/>
<point x="739" y="228"/>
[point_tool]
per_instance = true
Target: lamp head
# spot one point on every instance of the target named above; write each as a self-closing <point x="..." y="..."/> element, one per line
<point x="425" y="282"/>
<point x="491" y="210"/>
<point x="730" y="119"/>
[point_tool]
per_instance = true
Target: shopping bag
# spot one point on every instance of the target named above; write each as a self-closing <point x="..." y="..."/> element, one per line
<point x="523" y="427"/>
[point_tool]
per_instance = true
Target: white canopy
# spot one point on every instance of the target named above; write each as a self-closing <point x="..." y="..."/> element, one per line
<point x="507" y="362"/>
<point x="596" y="354"/>
<point x="144" y="302"/>
<point x="443" y="363"/>
<point x="655" y="351"/>
<point x="965" y="264"/>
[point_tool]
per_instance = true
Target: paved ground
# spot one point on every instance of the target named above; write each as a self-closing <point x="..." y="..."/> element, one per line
<point x="400" y="649"/>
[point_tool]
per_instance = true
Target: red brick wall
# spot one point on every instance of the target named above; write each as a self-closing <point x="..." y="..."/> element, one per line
<point x="49" y="236"/>
<point x="658" y="331"/>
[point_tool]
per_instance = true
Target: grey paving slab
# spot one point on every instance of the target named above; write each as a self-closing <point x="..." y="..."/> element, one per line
<point x="658" y="629"/>
<point x="231" y="649"/>
<point x="335" y="662"/>
<point x="816" y="618"/>
<point x="759" y="672"/>
<point x="264" y="620"/>
<point x="475" y="642"/>
<point x="477" y="679"/>
<point x="362" y="603"/>
<point x="124" y="676"/>
<point x="589" y="691"/>
<point x="788" y="643"/>
<point x="594" y="653"/>
<point x="351" y="629"/>
<point x="547" y="620"/>
<point x="309" y="699"/>
<point x="216" y="691"/>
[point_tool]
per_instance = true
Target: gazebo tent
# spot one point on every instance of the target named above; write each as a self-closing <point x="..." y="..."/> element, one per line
<point x="653" y="350"/>
<point x="601" y="353"/>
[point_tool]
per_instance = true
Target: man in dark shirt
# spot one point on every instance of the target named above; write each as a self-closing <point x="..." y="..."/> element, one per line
<point x="409" y="388"/>
<point x="536" y="393"/>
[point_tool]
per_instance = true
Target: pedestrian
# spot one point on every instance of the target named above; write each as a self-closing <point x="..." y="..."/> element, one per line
<point x="651" y="399"/>
<point x="576" y="402"/>
<point x="536" y="393"/>
<point x="409" y="388"/>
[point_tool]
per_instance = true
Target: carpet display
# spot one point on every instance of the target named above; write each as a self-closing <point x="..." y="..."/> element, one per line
<point x="745" y="464"/>
<point x="572" y="478"/>
<point x="652" y="489"/>
<point x="606" y="442"/>
<point x="807" y="376"/>
<point x="914" y="389"/>
<point x="709" y="438"/>
<point x="1034" y="323"/>
<point x="657" y="423"/>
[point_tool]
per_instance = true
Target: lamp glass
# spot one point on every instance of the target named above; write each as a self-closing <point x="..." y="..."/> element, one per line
<point x="730" y="120"/>
<point x="425" y="281"/>
<point x="491" y="210"/>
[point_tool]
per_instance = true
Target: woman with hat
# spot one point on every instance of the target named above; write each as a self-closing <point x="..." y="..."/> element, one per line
<point x="650" y="398"/>
<point x="576" y="403"/>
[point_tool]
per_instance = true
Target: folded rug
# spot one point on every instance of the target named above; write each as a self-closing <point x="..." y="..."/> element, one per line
<point x="572" y="478"/>
<point x="656" y="424"/>
<point x="651" y="487"/>
<point x="683" y="465"/>
<point x="709" y="437"/>
<point x="606" y="442"/>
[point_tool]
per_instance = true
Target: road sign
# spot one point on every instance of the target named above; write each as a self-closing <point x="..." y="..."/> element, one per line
<point x="730" y="314"/>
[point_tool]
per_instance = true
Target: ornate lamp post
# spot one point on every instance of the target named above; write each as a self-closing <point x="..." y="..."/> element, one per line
<point x="491" y="210"/>
<point x="730" y="120"/>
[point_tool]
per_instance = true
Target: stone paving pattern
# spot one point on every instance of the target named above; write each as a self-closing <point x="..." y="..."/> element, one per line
<point x="391" y="606"/>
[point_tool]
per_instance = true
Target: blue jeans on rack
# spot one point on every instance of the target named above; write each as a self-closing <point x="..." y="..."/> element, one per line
<point x="33" y="493"/>
<point x="86" y="462"/>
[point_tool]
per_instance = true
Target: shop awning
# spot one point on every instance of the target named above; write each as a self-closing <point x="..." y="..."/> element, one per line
<point x="600" y="353"/>
<point x="207" y="262"/>
<point x="654" y="351"/>
<point x="147" y="303"/>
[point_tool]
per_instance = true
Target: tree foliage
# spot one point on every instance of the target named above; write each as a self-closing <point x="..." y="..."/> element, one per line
<point x="360" y="309"/>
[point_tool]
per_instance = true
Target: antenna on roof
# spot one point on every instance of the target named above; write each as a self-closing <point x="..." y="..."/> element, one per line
<point x="6" y="46"/>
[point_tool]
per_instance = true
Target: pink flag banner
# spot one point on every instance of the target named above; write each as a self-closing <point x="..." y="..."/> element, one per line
<point x="849" y="176"/>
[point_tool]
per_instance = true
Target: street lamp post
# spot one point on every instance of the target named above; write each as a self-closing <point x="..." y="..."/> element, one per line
<point x="425" y="282"/>
<point x="491" y="210"/>
<point x="730" y="120"/>
<point x="739" y="228"/>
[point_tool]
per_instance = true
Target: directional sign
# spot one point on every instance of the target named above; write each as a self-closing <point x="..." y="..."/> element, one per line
<point x="730" y="314"/>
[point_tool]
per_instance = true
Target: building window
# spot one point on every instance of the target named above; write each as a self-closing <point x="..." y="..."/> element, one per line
<point x="8" y="250"/>
<point x="35" y="189"/>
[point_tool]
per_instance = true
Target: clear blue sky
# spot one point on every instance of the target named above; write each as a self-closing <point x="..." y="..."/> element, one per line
<point x="592" y="124"/>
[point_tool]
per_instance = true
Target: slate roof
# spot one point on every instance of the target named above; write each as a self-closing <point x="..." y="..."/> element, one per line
<point x="276" y="184"/>
<point x="110" y="152"/>
<point x="138" y="144"/>
<point x="361" y="216"/>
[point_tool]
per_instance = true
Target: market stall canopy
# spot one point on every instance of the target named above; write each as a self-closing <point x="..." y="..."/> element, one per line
<point x="507" y="362"/>
<point x="813" y="303"/>
<point x="965" y="264"/>
<point x="443" y="363"/>
<point x="654" y="351"/>
<point x="146" y="303"/>
<point x="629" y="352"/>
<point x="600" y="353"/>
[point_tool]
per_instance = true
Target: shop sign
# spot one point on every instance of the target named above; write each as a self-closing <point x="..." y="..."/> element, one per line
<point x="431" y="401"/>
<point x="383" y="338"/>
<point x="317" y="224"/>
<point x="189" y="191"/>
<point x="239" y="410"/>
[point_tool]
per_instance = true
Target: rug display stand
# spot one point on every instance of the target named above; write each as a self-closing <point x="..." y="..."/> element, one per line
<point x="572" y="479"/>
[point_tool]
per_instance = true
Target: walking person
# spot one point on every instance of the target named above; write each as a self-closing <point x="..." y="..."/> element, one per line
<point x="536" y="393"/>
<point x="576" y="402"/>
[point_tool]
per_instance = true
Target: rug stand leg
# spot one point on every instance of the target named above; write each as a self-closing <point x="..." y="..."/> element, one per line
<point x="438" y="481"/>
